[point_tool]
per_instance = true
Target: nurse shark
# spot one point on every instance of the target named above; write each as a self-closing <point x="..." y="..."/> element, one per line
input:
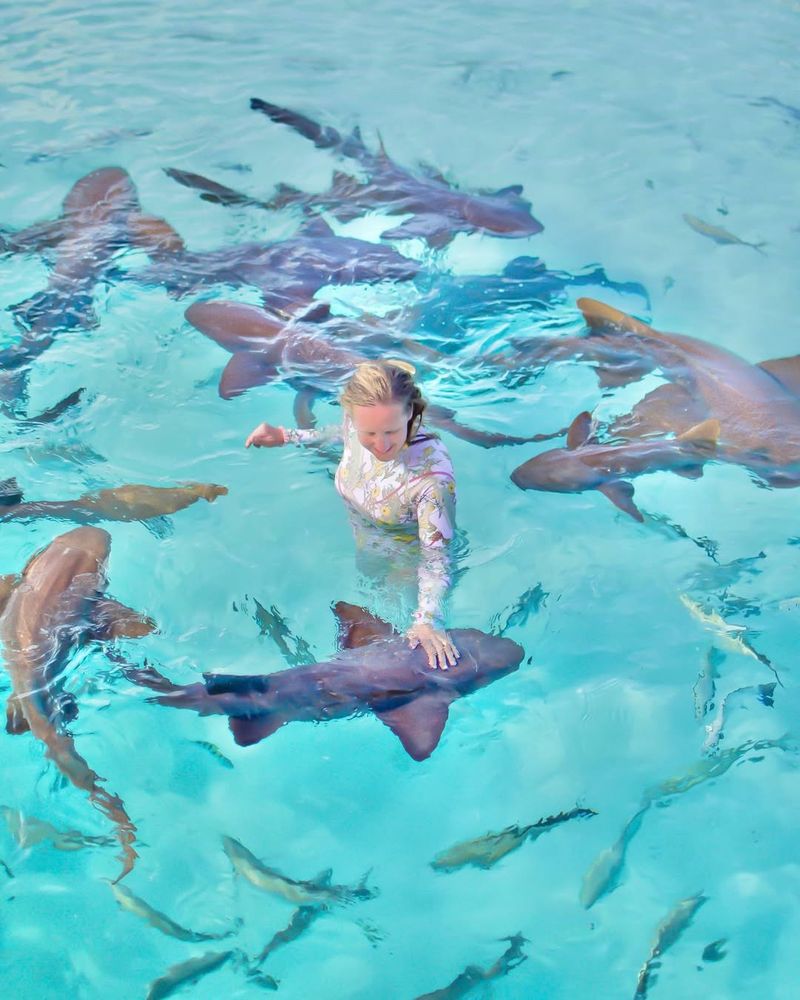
<point x="751" y="411"/>
<point x="438" y="209"/>
<point x="287" y="272"/>
<point x="57" y="602"/>
<point x="315" y="353"/>
<point x="373" y="671"/>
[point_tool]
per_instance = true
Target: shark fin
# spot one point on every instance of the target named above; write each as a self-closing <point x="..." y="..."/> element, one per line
<point x="435" y="229"/>
<point x="16" y="723"/>
<point x="7" y="584"/>
<point x="579" y="430"/>
<point x="250" y="729"/>
<point x="786" y="371"/>
<point x="602" y="318"/>
<point x="620" y="493"/>
<point x="511" y="189"/>
<point x="614" y="376"/>
<point x="690" y="472"/>
<point x="419" y="723"/>
<point x="317" y="312"/>
<point x="316" y="228"/>
<point x="52" y="413"/>
<point x="10" y="493"/>
<point x="524" y="267"/>
<point x="112" y="620"/>
<point x="244" y="371"/>
<point x="359" y="627"/>
<point x="703" y="435"/>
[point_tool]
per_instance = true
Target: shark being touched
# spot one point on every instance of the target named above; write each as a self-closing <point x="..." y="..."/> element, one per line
<point x="374" y="671"/>
<point x="57" y="602"/>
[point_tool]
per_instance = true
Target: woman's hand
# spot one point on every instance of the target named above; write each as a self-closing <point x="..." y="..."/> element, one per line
<point x="436" y="642"/>
<point x="266" y="436"/>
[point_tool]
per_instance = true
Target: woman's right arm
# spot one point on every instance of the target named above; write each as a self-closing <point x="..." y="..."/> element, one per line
<point x="269" y="436"/>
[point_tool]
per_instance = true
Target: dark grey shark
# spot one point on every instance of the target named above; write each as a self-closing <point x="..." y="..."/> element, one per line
<point x="373" y="671"/>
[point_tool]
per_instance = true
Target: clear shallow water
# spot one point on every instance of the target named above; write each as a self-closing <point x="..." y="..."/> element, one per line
<point x="617" y="118"/>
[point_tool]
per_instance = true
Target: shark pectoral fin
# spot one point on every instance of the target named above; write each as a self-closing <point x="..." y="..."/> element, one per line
<point x="112" y="620"/>
<point x="244" y="371"/>
<point x="250" y="729"/>
<point x="324" y="877"/>
<point x="786" y="371"/>
<point x="579" y="430"/>
<point x="419" y="723"/>
<point x="16" y="723"/>
<point x="620" y="493"/>
<point x="316" y="227"/>
<point x="690" y="472"/>
<point x="436" y="230"/>
<point x="358" y="627"/>
<point x="10" y="493"/>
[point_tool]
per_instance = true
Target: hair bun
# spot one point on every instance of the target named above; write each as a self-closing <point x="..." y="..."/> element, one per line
<point x="404" y="366"/>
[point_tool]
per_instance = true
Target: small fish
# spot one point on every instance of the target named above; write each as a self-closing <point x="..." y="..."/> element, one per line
<point x="718" y="234"/>
<point x="29" y="831"/>
<point x="714" y="730"/>
<point x="302" y="918"/>
<point x="765" y="102"/>
<point x="315" y="892"/>
<point x="6" y="869"/>
<point x="190" y="971"/>
<point x="272" y="623"/>
<point x="723" y="575"/>
<point x="603" y="875"/>
<point x="139" y="908"/>
<point x="486" y="851"/>
<point x="704" y="687"/>
<point x="730" y="636"/>
<point x="668" y="932"/>
<point x="473" y="976"/>
<point x="261" y="979"/>
<point x="715" y="952"/>
<point x="215" y="752"/>
<point x="529" y="603"/>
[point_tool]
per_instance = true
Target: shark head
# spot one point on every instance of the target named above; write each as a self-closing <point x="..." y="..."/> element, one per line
<point x="559" y="470"/>
<point x="102" y="194"/>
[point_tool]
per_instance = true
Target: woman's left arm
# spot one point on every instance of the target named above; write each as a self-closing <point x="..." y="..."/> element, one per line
<point x="436" y="519"/>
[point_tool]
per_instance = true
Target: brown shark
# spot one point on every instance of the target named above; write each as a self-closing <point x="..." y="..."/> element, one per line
<point x="132" y="502"/>
<point x="57" y="602"/>
<point x="374" y="671"/>
<point x="584" y="465"/>
<point x="315" y="354"/>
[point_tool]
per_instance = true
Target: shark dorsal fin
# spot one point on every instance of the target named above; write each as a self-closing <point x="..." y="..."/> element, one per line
<point x="433" y="227"/>
<point x="703" y="434"/>
<point x="579" y="430"/>
<point x="419" y="723"/>
<point x="359" y="627"/>
<point x="315" y="228"/>
<point x="786" y="371"/>
<point x="511" y="189"/>
<point x="10" y="493"/>
<point x="600" y="317"/>
<point x="620" y="493"/>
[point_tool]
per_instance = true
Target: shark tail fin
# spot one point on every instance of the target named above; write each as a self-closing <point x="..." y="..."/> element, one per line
<point x="601" y="317"/>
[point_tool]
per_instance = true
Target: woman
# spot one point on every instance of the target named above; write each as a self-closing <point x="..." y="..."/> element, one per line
<point x="392" y="474"/>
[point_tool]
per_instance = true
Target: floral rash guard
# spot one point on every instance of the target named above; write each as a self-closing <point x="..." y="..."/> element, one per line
<point x="417" y="487"/>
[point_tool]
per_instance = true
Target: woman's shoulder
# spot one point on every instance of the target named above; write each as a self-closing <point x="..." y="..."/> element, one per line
<point x="427" y="453"/>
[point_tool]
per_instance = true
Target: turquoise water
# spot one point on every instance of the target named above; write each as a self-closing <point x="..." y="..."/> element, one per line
<point x="617" y="118"/>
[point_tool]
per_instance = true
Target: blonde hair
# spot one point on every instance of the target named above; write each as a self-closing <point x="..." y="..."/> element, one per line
<point x="375" y="383"/>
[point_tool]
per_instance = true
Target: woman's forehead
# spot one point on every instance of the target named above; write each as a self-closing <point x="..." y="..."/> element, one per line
<point x="380" y="417"/>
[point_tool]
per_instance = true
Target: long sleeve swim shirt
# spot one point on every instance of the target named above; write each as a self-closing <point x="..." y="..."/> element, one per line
<point x="416" y="487"/>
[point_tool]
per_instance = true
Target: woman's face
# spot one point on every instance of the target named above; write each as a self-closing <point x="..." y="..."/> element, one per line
<point x="382" y="428"/>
